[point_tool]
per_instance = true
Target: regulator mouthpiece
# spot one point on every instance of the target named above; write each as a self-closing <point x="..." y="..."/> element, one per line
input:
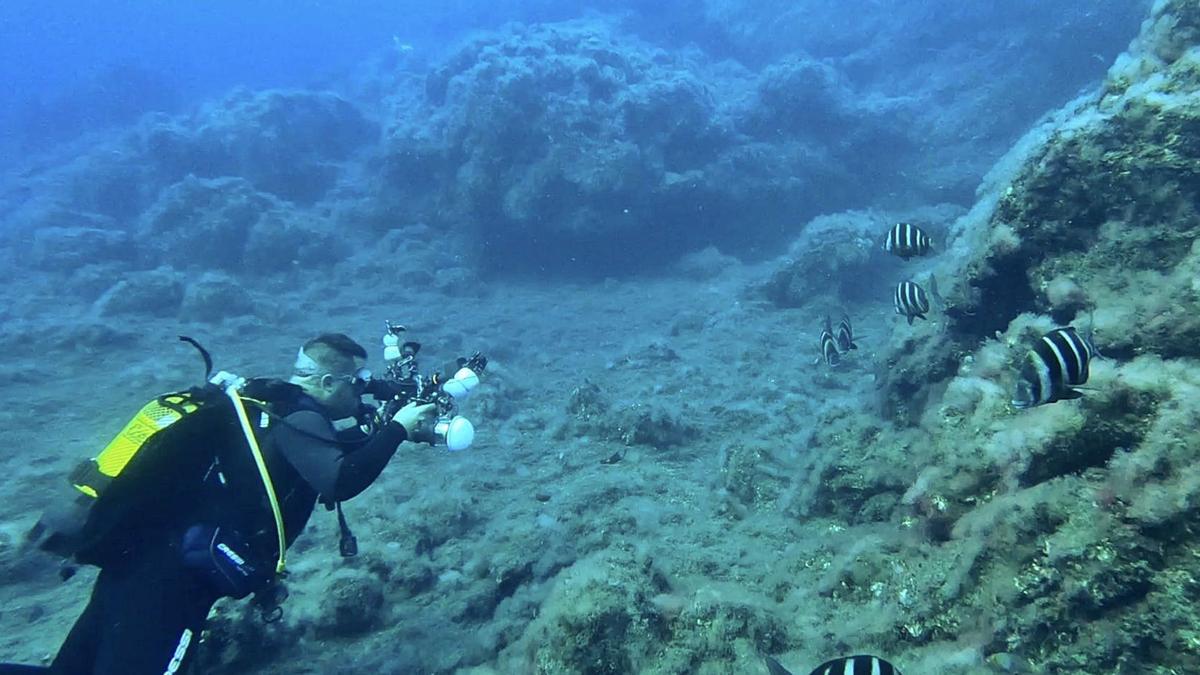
<point x="463" y="382"/>
<point x="458" y="432"/>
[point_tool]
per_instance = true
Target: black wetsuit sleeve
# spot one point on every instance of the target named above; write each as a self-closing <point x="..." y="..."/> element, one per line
<point x="306" y="440"/>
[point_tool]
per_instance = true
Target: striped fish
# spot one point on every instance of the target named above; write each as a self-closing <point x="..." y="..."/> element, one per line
<point x="847" y="665"/>
<point x="829" y="348"/>
<point x="1057" y="362"/>
<point x="844" y="335"/>
<point x="911" y="301"/>
<point x="907" y="240"/>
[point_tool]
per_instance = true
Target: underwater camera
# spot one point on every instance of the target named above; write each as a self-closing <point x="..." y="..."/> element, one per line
<point x="403" y="383"/>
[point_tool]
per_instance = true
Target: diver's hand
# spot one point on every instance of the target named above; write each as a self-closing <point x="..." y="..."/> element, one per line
<point x="411" y="415"/>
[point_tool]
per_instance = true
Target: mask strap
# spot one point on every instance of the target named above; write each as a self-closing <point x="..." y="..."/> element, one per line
<point x="305" y="366"/>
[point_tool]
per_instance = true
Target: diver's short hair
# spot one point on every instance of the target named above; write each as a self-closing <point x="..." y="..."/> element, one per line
<point x="335" y="352"/>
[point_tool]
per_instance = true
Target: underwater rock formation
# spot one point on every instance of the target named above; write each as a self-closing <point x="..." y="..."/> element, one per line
<point x="289" y="144"/>
<point x="571" y="147"/>
<point x="839" y="258"/>
<point x="567" y="147"/>
<point x="1060" y="535"/>
<point x="1064" y="533"/>
<point x="225" y="188"/>
<point x="215" y="296"/>
<point x="71" y="247"/>
<point x="157" y="292"/>
<point x="560" y="135"/>
<point x="612" y="613"/>
<point x="226" y="224"/>
<point x="1104" y="217"/>
<point x="944" y="67"/>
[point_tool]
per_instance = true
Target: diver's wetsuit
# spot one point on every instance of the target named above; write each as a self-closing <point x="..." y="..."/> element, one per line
<point x="147" y="609"/>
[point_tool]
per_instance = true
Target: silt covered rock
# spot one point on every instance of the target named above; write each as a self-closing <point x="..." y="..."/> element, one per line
<point x="156" y="292"/>
<point x="226" y="224"/>
<point x="286" y="143"/>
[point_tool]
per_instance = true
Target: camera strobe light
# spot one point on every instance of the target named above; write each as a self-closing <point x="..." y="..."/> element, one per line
<point x="463" y="382"/>
<point x="458" y="432"/>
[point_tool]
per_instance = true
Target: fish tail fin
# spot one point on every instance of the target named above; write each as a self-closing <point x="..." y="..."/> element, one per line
<point x="934" y="293"/>
<point x="1089" y="335"/>
<point x="774" y="667"/>
<point x="1089" y="339"/>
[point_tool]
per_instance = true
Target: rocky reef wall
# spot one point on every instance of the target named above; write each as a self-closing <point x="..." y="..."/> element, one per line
<point x="1061" y="535"/>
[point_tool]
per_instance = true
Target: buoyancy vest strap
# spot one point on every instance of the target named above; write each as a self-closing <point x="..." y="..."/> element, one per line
<point x="232" y="392"/>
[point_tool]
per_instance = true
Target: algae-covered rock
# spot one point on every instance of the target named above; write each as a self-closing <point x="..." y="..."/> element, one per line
<point x="226" y="224"/>
<point x="157" y="292"/>
<point x="571" y="147"/>
<point x="285" y="143"/>
<point x="238" y="640"/>
<point x="200" y="223"/>
<point x="748" y="475"/>
<point x="1092" y="219"/>
<point x="653" y="425"/>
<point x="1066" y="515"/>
<point x="838" y="259"/>
<point x="353" y="603"/>
<point x="1108" y="205"/>
<point x="215" y="296"/>
<point x="833" y="256"/>
<point x="858" y="474"/>
<point x="66" y="248"/>
<point x="611" y="613"/>
<point x="561" y="134"/>
<point x="88" y="282"/>
<point x="1063" y="533"/>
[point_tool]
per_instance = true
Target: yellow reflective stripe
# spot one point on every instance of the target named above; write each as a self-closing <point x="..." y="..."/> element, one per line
<point x="255" y="450"/>
<point x="87" y="490"/>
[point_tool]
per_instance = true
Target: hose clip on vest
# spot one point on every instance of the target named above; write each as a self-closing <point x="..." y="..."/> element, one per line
<point x="227" y="380"/>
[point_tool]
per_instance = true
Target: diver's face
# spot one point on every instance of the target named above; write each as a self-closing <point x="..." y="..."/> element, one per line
<point x="341" y="393"/>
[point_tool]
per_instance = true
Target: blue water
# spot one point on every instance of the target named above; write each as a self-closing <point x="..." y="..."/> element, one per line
<point x="72" y="67"/>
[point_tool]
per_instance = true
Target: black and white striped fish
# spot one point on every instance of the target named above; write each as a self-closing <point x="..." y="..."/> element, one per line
<point x="1058" y="362"/>
<point x="907" y="240"/>
<point x="844" y="335"/>
<point x="847" y="665"/>
<point x="911" y="301"/>
<point x="829" y="347"/>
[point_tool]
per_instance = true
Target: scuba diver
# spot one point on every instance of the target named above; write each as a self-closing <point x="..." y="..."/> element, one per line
<point x="212" y="512"/>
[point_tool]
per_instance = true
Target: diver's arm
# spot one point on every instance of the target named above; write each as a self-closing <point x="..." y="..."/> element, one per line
<point x="306" y="440"/>
<point x="360" y="468"/>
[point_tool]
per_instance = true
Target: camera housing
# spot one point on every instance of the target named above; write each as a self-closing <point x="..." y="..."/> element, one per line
<point x="403" y="383"/>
